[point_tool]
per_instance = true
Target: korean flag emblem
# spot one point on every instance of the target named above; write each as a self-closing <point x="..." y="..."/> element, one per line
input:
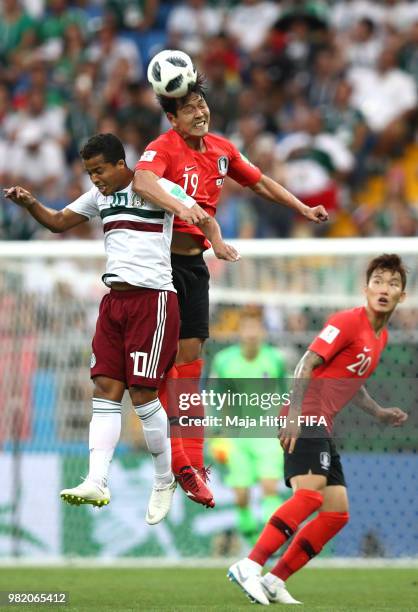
<point x="223" y="163"/>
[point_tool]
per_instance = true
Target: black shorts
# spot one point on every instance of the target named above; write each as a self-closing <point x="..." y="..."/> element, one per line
<point x="191" y="281"/>
<point x="315" y="455"/>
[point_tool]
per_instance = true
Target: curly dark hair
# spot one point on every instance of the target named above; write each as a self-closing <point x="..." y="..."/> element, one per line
<point x="172" y="105"/>
<point x="107" y="145"/>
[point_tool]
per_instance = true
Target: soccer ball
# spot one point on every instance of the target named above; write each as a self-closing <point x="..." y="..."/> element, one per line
<point x="171" y="73"/>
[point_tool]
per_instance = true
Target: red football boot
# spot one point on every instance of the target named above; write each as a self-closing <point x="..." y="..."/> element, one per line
<point x="195" y="487"/>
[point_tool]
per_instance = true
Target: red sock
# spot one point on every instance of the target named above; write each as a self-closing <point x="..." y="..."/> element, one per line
<point x="193" y="447"/>
<point x="284" y="522"/>
<point x="309" y="542"/>
<point x="179" y="457"/>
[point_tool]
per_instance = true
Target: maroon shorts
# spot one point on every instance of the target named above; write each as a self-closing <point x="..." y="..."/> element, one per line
<point x="136" y="336"/>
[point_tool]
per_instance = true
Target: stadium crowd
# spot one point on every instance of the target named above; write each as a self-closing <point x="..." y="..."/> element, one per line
<point x="321" y="95"/>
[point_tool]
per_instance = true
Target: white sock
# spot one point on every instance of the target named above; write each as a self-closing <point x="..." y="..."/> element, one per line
<point x="155" y="427"/>
<point x="105" y="426"/>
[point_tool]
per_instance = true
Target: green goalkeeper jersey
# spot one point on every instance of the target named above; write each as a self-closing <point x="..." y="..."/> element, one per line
<point x="230" y="363"/>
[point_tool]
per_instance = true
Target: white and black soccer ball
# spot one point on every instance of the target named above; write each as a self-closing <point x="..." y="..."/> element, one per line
<point x="171" y="73"/>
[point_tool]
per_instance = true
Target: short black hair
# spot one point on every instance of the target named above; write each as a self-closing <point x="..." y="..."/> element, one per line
<point x="107" y="145"/>
<point x="390" y="262"/>
<point x="172" y="105"/>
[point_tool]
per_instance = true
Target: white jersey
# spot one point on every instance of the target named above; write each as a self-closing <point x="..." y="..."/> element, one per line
<point x="137" y="234"/>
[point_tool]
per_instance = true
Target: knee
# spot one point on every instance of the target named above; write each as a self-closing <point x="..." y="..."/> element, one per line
<point x="142" y="395"/>
<point x="108" y="388"/>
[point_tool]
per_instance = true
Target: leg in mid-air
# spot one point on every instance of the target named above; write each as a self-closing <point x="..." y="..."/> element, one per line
<point x="155" y="427"/>
<point x="191" y="279"/>
<point x="104" y="433"/>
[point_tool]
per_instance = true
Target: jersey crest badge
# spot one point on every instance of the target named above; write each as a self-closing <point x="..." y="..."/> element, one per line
<point x="223" y="163"/>
<point x="136" y="200"/>
<point x="325" y="460"/>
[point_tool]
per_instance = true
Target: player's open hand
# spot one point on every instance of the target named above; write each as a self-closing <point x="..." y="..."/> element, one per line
<point x="193" y="215"/>
<point x="289" y="434"/>
<point x="317" y="214"/>
<point x="19" y="196"/>
<point x="225" y="251"/>
<point x="392" y="416"/>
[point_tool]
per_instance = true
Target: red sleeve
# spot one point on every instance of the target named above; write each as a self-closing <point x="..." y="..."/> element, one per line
<point x="154" y="158"/>
<point x="337" y="333"/>
<point x="242" y="170"/>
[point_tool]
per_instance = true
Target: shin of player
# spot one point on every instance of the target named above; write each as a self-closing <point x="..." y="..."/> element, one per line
<point x="349" y="347"/>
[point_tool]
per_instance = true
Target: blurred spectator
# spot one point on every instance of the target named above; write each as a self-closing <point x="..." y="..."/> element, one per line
<point x="249" y="22"/>
<point x="324" y="78"/>
<point x="111" y="51"/>
<point x="81" y="118"/>
<point x="315" y="164"/>
<point x="37" y="163"/>
<point x="70" y="68"/>
<point x="52" y="27"/>
<point x="409" y="52"/>
<point x="344" y="15"/>
<point x="72" y="57"/>
<point x="141" y="111"/>
<point x="345" y="121"/>
<point x="221" y="63"/>
<point x="386" y="96"/>
<point x="17" y="36"/>
<point x="271" y="220"/>
<point x="134" y="14"/>
<point x="235" y="213"/>
<point x="191" y="23"/>
<point x="49" y="121"/>
<point x="364" y="44"/>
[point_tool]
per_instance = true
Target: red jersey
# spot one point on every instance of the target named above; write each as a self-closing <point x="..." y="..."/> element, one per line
<point x="201" y="174"/>
<point x="351" y="352"/>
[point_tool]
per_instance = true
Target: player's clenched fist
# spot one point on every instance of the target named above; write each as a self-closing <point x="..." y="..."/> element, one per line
<point x="318" y="214"/>
<point x="193" y="215"/>
<point x="20" y="196"/>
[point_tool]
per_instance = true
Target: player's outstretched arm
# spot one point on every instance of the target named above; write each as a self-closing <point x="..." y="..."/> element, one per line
<point x="221" y="249"/>
<point x="303" y="374"/>
<point x="389" y="416"/>
<point x="146" y="185"/>
<point x="55" y="220"/>
<point x="271" y="190"/>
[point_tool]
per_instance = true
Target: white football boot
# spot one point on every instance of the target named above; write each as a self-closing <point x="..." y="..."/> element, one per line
<point x="276" y="591"/>
<point x="247" y="574"/>
<point x="160" y="502"/>
<point x="88" y="492"/>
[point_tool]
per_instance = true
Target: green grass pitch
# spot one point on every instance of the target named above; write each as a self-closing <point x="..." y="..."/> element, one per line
<point x="187" y="590"/>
